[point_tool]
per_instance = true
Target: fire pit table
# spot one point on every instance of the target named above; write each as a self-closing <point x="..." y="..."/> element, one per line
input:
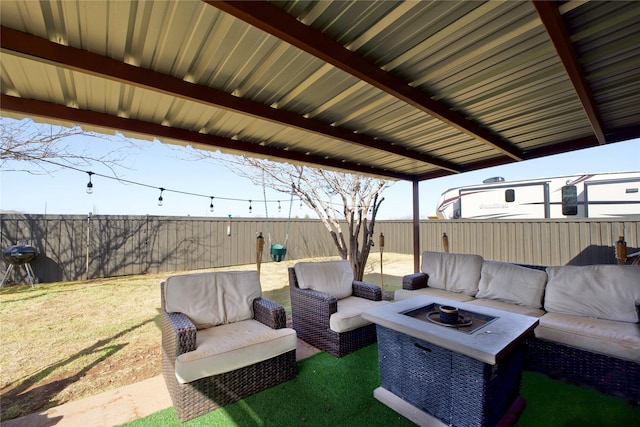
<point x="441" y="374"/>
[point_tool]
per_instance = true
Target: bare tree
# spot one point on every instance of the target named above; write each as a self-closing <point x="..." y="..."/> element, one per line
<point x="334" y="196"/>
<point x="43" y="147"/>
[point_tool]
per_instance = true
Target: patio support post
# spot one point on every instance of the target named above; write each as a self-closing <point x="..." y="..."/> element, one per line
<point x="416" y="228"/>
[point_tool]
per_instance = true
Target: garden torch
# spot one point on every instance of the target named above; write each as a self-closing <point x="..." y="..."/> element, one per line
<point x="381" y="243"/>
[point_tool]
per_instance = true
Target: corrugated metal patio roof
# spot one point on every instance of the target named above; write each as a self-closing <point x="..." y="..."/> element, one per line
<point x="406" y="90"/>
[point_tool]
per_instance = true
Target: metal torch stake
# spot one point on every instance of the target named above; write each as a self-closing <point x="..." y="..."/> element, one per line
<point x="381" y="243"/>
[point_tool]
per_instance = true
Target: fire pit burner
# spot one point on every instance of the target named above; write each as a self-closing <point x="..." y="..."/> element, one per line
<point x="17" y="255"/>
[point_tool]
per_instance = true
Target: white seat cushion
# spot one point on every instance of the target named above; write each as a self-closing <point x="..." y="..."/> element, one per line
<point x="225" y="348"/>
<point x="401" y="294"/>
<point x="452" y="272"/>
<point x="617" y="339"/>
<point x="512" y="308"/>
<point x="512" y="284"/>
<point x="331" y="277"/>
<point x="348" y="317"/>
<point x="213" y="298"/>
<point x="610" y="292"/>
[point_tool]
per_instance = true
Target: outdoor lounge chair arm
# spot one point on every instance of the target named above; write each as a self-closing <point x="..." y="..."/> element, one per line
<point x="367" y="291"/>
<point x="317" y="305"/>
<point x="182" y="329"/>
<point x="415" y="281"/>
<point x="321" y="301"/>
<point x="309" y="304"/>
<point x="269" y="313"/>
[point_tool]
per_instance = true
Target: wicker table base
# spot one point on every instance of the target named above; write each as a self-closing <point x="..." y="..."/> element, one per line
<point x="425" y="419"/>
<point x="441" y="384"/>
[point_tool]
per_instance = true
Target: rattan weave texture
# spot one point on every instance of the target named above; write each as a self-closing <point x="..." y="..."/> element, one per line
<point x="414" y="281"/>
<point x="454" y="388"/>
<point x="605" y="373"/>
<point x="310" y="313"/>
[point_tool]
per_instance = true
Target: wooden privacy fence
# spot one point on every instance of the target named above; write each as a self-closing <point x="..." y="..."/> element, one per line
<point x="74" y="247"/>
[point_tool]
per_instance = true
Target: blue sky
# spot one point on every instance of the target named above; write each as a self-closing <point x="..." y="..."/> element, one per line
<point x="163" y="165"/>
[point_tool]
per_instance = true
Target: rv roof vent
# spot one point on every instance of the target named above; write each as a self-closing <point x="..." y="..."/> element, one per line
<point x="493" y="179"/>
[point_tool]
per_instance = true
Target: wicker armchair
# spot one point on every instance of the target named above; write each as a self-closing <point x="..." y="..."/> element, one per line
<point x="208" y="367"/>
<point x="328" y="321"/>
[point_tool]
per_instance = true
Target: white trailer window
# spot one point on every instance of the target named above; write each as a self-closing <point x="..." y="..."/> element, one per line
<point x="510" y="195"/>
<point x="569" y="200"/>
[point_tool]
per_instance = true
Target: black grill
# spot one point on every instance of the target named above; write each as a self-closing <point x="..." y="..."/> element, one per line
<point x="19" y="254"/>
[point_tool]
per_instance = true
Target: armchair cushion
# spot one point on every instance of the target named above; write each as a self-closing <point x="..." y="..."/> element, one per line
<point x="331" y="277"/>
<point x="213" y="298"/>
<point x="610" y="292"/>
<point x="228" y="347"/>
<point x="348" y="317"/>
<point x="452" y="272"/>
<point x="512" y="284"/>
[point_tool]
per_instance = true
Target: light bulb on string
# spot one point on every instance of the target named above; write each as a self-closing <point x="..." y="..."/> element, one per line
<point x="90" y="184"/>
<point x="279" y="207"/>
<point x="160" y="199"/>
<point x="250" y="207"/>
<point x="211" y="205"/>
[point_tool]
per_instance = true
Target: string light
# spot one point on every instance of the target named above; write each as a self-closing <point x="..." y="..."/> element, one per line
<point x="89" y="188"/>
<point x="160" y="199"/>
<point x="90" y="184"/>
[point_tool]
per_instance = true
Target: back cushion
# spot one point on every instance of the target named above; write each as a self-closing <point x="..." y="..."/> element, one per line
<point x="609" y="292"/>
<point x="512" y="283"/>
<point x="452" y="272"/>
<point x="331" y="277"/>
<point x="214" y="298"/>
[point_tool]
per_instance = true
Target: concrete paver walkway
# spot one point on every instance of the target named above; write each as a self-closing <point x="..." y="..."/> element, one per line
<point x="117" y="406"/>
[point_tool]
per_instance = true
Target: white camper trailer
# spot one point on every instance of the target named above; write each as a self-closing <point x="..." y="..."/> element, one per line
<point x="603" y="195"/>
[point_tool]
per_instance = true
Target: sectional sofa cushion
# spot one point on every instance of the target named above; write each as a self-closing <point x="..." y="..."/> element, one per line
<point x="213" y="298"/>
<point x="331" y="277"/>
<point x="610" y="292"/>
<point x="401" y="294"/>
<point x="512" y="308"/>
<point x="617" y="339"/>
<point x="512" y="284"/>
<point x="452" y="272"/>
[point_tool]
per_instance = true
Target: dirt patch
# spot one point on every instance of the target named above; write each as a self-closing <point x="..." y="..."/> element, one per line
<point x="61" y="388"/>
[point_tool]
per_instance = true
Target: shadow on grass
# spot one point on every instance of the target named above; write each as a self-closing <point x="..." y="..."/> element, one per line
<point x="17" y="398"/>
<point x="26" y="292"/>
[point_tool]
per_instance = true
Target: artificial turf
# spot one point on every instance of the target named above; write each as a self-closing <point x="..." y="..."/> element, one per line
<point x="339" y="392"/>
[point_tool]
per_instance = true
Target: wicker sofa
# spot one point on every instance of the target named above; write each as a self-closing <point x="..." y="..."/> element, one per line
<point x="221" y="341"/>
<point x="589" y="330"/>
